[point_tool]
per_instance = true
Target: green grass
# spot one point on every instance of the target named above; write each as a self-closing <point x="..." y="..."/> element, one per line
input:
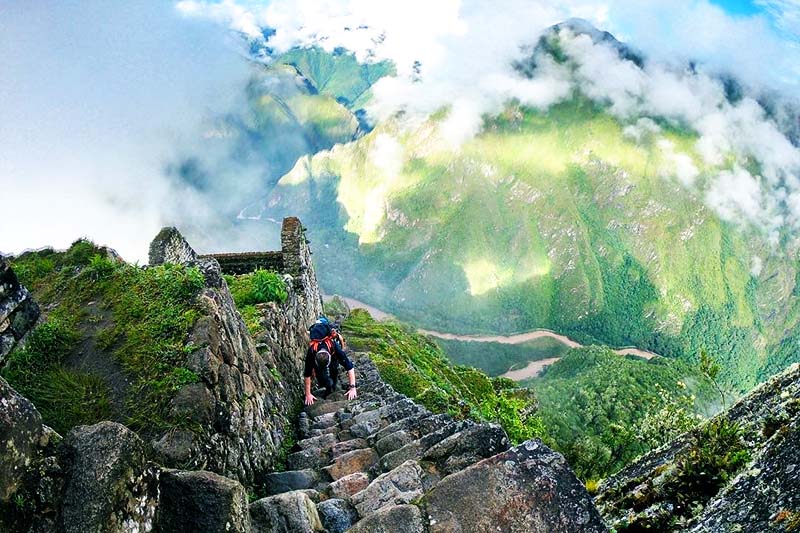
<point x="415" y="366"/>
<point x="141" y="321"/>
<point x="495" y="358"/>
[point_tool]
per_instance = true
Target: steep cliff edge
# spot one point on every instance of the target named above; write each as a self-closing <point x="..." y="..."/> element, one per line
<point x="740" y="471"/>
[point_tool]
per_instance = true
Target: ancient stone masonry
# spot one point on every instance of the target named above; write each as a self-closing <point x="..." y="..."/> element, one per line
<point x="249" y="388"/>
<point x="18" y="311"/>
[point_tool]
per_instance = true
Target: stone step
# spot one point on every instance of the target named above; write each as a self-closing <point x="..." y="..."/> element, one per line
<point x="415" y="449"/>
<point x="340" y="448"/>
<point x="290" y="512"/>
<point x="337" y="515"/>
<point x="392" y="442"/>
<point x="312" y="458"/>
<point x="280" y="482"/>
<point x="467" y="447"/>
<point x="352" y="462"/>
<point x="346" y="486"/>
<point x="394" y="519"/>
<point x="401" y="485"/>
<point x="323" y="442"/>
<point x="324" y="407"/>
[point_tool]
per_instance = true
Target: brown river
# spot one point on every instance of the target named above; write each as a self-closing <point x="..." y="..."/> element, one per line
<point x="534" y="368"/>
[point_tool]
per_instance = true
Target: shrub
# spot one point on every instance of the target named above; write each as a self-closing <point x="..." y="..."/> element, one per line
<point x="718" y="453"/>
<point x="261" y="286"/>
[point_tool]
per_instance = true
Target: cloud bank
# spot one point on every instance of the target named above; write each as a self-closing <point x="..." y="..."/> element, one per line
<point x="107" y="129"/>
<point x="459" y="55"/>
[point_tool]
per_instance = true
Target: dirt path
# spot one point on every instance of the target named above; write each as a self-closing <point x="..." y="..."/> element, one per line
<point x="533" y="368"/>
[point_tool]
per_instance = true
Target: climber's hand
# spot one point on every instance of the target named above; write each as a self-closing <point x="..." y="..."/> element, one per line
<point x="310" y="398"/>
<point x="351" y="394"/>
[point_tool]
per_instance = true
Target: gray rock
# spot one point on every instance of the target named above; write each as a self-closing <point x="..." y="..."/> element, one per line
<point x="392" y="442"/>
<point x="169" y="246"/>
<point x="393" y="519"/>
<point x="21" y="439"/>
<point x="201" y="501"/>
<point x="401" y="485"/>
<point x="336" y="515"/>
<point x="528" y="489"/>
<point x="278" y="482"/>
<point x="175" y="447"/>
<point x="341" y="448"/>
<point x="467" y="447"/>
<point x="193" y="402"/>
<point x="308" y="458"/>
<point x="108" y="485"/>
<point x="291" y="512"/>
<point x="18" y="311"/>
<point x="367" y="423"/>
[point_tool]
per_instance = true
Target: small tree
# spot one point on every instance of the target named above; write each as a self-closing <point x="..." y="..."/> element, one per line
<point x="710" y="369"/>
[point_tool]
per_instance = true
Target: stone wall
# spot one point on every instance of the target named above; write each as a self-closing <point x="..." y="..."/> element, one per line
<point x="249" y="389"/>
<point x="18" y="311"/>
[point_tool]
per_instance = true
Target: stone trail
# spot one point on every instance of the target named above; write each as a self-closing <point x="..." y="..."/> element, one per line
<point x="384" y="463"/>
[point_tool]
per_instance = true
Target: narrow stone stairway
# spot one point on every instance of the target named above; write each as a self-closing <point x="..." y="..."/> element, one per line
<point x="383" y="464"/>
<point x="362" y="464"/>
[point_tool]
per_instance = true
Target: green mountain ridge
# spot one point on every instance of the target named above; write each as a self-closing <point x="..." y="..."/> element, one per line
<point x="568" y="219"/>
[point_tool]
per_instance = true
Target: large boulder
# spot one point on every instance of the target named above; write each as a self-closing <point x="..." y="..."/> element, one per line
<point x="200" y="501"/>
<point x="527" y="489"/>
<point x="290" y="512"/>
<point x="394" y="519"/>
<point x="109" y="485"/>
<point x="401" y="485"/>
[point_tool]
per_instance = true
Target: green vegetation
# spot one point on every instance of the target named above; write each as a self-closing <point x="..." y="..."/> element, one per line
<point x="417" y="367"/>
<point x="114" y="345"/>
<point x="716" y="454"/>
<point x="556" y="219"/>
<point x="337" y="74"/>
<point x="602" y="409"/>
<point x="495" y="358"/>
<point x="249" y="290"/>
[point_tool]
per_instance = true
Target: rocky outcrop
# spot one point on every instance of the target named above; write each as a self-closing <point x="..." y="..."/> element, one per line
<point x="762" y="497"/>
<point x="18" y="311"/>
<point x="443" y="475"/>
<point x="22" y="437"/>
<point x="200" y="501"/>
<point x="108" y="485"/>
<point x="249" y="389"/>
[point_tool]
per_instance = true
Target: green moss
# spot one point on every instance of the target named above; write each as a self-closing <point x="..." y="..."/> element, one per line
<point x="415" y="366"/>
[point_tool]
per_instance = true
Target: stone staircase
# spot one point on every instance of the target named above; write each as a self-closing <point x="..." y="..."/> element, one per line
<point x="383" y="463"/>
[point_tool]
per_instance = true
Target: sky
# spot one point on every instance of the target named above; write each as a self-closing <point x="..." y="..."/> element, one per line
<point x="97" y="100"/>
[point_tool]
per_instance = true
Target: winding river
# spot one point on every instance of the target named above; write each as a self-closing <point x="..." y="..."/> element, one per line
<point x="534" y="368"/>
